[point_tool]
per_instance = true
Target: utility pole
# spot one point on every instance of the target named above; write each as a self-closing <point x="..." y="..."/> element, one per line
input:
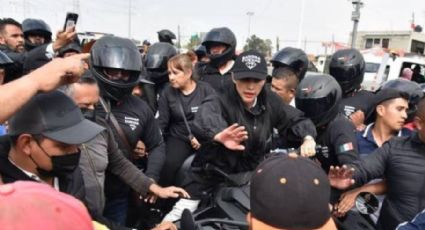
<point x="423" y="12"/>
<point x="179" y="45"/>
<point x="129" y="18"/>
<point x="250" y="14"/>
<point x="355" y="17"/>
<point x="277" y="44"/>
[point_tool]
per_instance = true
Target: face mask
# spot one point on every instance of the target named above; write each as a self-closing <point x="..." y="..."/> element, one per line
<point x="114" y="93"/>
<point x="89" y="114"/>
<point x="61" y="165"/>
<point x="218" y="60"/>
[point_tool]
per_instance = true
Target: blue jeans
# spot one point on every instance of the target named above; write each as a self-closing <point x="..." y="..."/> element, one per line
<point x="116" y="210"/>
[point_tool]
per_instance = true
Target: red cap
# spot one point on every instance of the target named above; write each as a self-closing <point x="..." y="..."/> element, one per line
<point x="29" y="205"/>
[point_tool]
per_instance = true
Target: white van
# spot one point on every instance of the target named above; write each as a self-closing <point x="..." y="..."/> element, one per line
<point x="370" y="79"/>
<point x="393" y="68"/>
<point x="408" y="61"/>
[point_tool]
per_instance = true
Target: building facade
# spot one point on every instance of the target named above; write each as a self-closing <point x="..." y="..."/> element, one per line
<point x="405" y="41"/>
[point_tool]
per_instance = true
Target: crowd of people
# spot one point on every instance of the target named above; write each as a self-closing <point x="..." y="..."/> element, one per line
<point x="97" y="140"/>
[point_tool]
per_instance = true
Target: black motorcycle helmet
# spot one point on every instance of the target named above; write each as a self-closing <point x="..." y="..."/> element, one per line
<point x="156" y="60"/>
<point x="318" y="96"/>
<point x="347" y="66"/>
<point x="166" y="36"/>
<point x="115" y="53"/>
<point x="294" y="58"/>
<point x="32" y="26"/>
<point x="410" y="87"/>
<point x="222" y="35"/>
<point x="200" y="51"/>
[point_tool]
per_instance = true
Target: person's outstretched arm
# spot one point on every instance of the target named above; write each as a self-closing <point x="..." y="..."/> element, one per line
<point x="58" y="72"/>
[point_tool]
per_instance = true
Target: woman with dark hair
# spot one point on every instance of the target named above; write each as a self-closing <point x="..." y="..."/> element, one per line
<point x="235" y="130"/>
<point x="177" y="107"/>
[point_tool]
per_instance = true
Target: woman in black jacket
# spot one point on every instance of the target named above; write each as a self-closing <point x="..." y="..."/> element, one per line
<point x="235" y="128"/>
<point x="177" y="107"/>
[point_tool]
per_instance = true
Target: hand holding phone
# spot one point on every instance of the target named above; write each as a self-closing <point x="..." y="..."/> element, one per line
<point x="70" y="21"/>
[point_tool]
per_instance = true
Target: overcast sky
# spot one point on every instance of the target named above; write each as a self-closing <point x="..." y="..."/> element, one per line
<point x="322" y="20"/>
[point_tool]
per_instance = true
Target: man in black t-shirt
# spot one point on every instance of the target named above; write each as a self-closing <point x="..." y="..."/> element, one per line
<point x="220" y="44"/>
<point x="318" y="96"/>
<point x="347" y="66"/>
<point x="116" y="64"/>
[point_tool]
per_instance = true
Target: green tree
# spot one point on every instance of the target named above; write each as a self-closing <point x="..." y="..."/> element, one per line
<point x="258" y="44"/>
<point x="193" y="42"/>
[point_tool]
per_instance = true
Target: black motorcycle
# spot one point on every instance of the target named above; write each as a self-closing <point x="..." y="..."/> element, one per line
<point x="228" y="206"/>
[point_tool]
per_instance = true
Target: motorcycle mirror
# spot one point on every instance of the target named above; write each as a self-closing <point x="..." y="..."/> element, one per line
<point x="187" y="221"/>
<point x="367" y="203"/>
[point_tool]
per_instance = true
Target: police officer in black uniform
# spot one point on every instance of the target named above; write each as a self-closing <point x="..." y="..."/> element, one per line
<point x="36" y="33"/>
<point x="235" y="128"/>
<point x="318" y="96"/>
<point x="220" y="44"/>
<point x="116" y="64"/>
<point x="178" y="105"/>
<point x="25" y="61"/>
<point x="347" y="66"/>
<point x="155" y="64"/>
<point x="155" y="69"/>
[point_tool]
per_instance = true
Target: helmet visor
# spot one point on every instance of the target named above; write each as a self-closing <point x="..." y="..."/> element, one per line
<point x="314" y="108"/>
<point x="121" y="76"/>
<point x="118" y="58"/>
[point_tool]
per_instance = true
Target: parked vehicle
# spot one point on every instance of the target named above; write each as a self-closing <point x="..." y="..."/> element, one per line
<point x="382" y="66"/>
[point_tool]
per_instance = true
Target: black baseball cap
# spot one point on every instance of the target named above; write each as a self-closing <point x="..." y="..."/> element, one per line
<point x="384" y="95"/>
<point x="290" y="193"/>
<point x="250" y="64"/>
<point x="388" y="94"/>
<point x="55" y="116"/>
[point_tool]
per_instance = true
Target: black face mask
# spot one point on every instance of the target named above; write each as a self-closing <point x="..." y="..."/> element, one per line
<point x="114" y="93"/>
<point x="89" y="114"/>
<point x="61" y="165"/>
<point x="218" y="60"/>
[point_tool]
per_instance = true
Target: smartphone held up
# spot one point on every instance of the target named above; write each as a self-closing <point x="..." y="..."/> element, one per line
<point x="70" y="21"/>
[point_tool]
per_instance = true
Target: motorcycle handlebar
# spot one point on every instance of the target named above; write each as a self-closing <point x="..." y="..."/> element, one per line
<point x="319" y="150"/>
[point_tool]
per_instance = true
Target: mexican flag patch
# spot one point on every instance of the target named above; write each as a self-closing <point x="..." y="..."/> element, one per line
<point x="345" y="147"/>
